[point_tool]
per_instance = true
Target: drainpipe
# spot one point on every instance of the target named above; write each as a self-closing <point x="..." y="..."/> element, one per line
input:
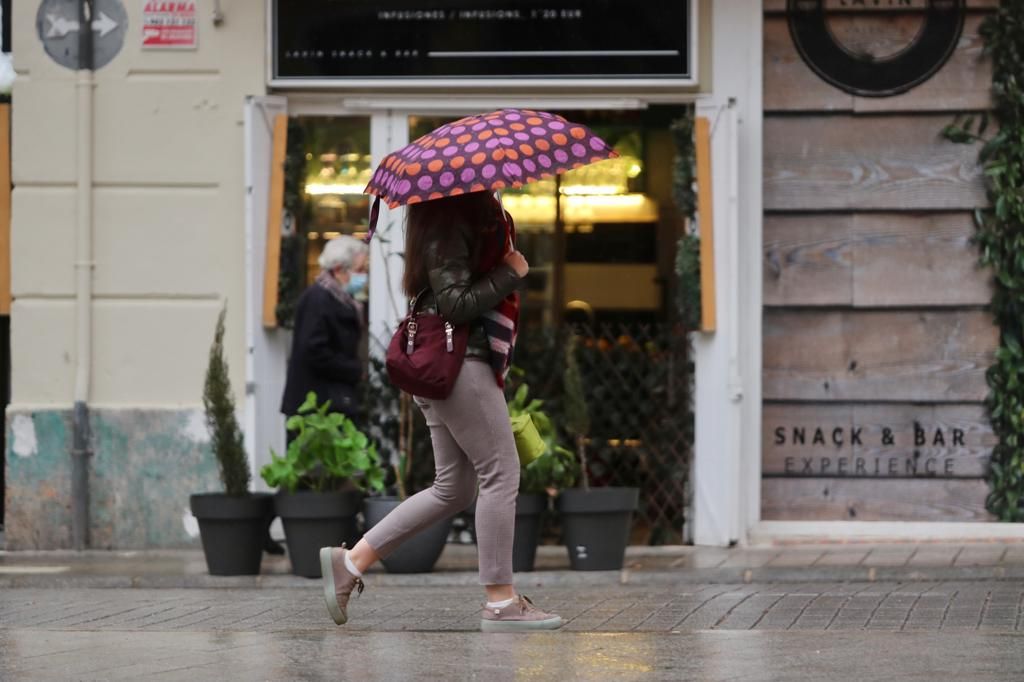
<point x="81" y="449"/>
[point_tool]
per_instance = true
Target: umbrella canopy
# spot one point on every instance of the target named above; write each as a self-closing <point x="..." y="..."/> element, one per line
<point x="505" y="148"/>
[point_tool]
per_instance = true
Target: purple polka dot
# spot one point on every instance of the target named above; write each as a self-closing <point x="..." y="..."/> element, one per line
<point x="492" y="143"/>
<point x="597" y="144"/>
<point x="529" y="165"/>
<point x="480" y="126"/>
<point x="522" y="137"/>
<point x="404" y="186"/>
<point x="425" y="182"/>
<point x="442" y="131"/>
<point x="579" y="150"/>
<point x="544" y="160"/>
<point x="537" y="130"/>
<point x="489" y="171"/>
<point x="450" y="151"/>
<point x="430" y="153"/>
<point x="458" y="129"/>
<point x="561" y="156"/>
<point x="556" y="125"/>
<point x="472" y="147"/>
<point x="512" y="170"/>
<point x="468" y="174"/>
<point x="447" y="178"/>
<point x="512" y="116"/>
<point x="496" y="122"/>
<point x="507" y="141"/>
<point x="415" y="155"/>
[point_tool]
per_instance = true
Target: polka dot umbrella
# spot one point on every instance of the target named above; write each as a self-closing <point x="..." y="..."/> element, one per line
<point x="505" y="148"/>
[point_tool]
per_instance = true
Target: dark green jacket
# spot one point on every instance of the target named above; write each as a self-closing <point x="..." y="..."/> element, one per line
<point x="458" y="296"/>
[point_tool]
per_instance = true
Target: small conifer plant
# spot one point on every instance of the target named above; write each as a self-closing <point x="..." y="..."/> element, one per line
<point x="225" y="434"/>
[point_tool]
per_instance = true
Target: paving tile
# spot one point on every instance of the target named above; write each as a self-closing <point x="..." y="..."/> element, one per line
<point x="980" y="556"/>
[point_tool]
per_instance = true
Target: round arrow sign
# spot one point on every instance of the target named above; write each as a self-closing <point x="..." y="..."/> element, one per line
<point x="58" y="27"/>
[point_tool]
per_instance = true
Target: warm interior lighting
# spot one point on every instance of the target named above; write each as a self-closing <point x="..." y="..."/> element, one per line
<point x="314" y="189"/>
<point x="585" y="209"/>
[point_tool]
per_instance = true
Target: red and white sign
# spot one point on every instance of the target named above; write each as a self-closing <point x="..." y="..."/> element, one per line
<point x="169" y="24"/>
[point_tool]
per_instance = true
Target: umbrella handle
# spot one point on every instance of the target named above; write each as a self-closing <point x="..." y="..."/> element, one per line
<point x="374" y="216"/>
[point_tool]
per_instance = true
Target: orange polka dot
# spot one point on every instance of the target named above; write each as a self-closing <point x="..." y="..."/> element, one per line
<point x="443" y="142"/>
<point x="526" y="149"/>
<point x="497" y="184"/>
<point x="435" y="195"/>
<point x="577" y="165"/>
<point x="463" y="139"/>
<point x="414" y="200"/>
<point x="456" y="192"/>
<point x="545" y="176"/>
<point x="511" y="154"/>
<point x="543" y="145"/>
<point x="477" y="187"/>
<point x="491" y="117"/>
<point x="390" y="163"/>
<point x="413" y="169"/>
<point x="435" y="165"/>
<point x="501" y="131"/>
<point x="517" y="126"/>
<point x="534" y="121"/>
<point x="425" y="140"/>
<point x="457" y="161"/>
<point x="486" y="134"/>
<point x="478" y="158"/>
<point x="578" y="133"/>
<point x="559" y="138"/>
<point x="498" y="154"/>
<point x="595" y="159"/>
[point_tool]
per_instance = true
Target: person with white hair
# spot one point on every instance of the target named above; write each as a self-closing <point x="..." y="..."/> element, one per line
<point x="329" y="326"/>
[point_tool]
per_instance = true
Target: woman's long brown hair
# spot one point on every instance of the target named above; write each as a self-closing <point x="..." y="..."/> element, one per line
<point x="475" y="209"/>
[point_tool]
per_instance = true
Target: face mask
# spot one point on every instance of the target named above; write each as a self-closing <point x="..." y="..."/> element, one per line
<point x="356" y="283"/>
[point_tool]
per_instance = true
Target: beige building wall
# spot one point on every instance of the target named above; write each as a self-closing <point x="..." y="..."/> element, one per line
<point x="169" y="234"/>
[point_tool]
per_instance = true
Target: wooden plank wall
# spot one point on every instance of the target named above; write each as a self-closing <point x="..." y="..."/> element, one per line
<point x="876" y="333"/>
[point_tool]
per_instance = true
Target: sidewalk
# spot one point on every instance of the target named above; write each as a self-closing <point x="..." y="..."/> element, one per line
<point x="643" y="566"/>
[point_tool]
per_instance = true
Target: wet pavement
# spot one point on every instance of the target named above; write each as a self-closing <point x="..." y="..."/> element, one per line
<point x="832" y="612"/>
<point x="810" y="631"/>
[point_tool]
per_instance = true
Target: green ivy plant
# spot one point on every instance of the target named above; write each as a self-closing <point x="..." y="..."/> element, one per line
<point x="1000" y="238"/>
<point x="556" y="468"/>
<point x="327" y="452"/>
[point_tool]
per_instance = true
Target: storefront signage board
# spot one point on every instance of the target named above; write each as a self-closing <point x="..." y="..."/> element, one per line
<point x="469" y="42"/>
<point x="167" y="24"/>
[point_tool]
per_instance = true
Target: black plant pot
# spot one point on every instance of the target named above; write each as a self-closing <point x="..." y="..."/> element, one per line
<point x="419" y="553"/>
<point x="529" y="512"/>
<point x="313" y="520"/>
<point x="595" y="526"/>
<point x="233" y="530"/>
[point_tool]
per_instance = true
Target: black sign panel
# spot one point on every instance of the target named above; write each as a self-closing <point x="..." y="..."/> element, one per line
<point x="467" y="39"/>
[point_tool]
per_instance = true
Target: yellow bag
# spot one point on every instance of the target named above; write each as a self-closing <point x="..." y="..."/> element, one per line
<point x="529" y="444"/>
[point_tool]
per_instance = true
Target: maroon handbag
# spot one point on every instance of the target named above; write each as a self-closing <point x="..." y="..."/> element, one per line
<point x="426" y="353"/>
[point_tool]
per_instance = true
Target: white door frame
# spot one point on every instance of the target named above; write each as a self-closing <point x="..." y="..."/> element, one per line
<point x="727" y="471"/>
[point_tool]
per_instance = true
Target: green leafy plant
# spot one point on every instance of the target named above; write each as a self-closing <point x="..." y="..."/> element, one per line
<point x="556" y="468"/>
<point x="328" y="451"/>
<point x="219" y="404"/>
<point x="1000" y="238"/>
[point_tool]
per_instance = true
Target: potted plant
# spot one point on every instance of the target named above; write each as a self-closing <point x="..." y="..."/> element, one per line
<point x="595" y="521"/>
<point x="554" y="470"/>
<point x="321" y="481"/>
<point x="232" y="524"/>
<point x="419" y="553"/>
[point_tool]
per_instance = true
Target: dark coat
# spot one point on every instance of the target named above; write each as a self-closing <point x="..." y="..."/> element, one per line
<point x="325" y="354"/>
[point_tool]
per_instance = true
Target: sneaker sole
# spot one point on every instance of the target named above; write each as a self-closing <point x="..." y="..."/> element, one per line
<point x="520" y="625"/>
<point x="327" y="571"/>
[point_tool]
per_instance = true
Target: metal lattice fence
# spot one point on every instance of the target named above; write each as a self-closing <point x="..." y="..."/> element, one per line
<point x="637" y="388"/>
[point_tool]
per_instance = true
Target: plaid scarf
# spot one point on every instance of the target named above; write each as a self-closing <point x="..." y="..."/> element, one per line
<point x="326" y="280"/>
<point x="502" y="323"/>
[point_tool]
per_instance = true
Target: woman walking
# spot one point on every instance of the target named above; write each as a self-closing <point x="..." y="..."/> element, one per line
<point x="460" y="263"/>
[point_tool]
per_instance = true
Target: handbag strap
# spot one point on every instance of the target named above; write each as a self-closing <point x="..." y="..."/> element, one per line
<point x="415" y="300"/>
